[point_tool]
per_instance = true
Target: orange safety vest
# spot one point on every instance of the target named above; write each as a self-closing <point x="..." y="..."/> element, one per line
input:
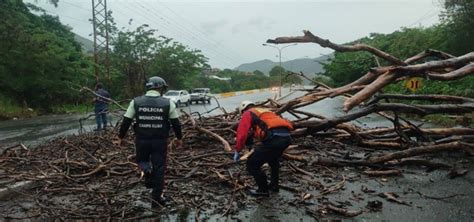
<point x="268" y="120"/>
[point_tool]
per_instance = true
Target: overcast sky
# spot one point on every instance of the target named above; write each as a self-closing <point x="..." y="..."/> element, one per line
<point x="232" y="32"/>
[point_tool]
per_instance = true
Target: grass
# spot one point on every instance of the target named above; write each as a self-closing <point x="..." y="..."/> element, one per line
<point x="81" y="108"/>
<point x="10" y="109"/>
<point x="73" y="108"/>
<point x="466" y="120"/>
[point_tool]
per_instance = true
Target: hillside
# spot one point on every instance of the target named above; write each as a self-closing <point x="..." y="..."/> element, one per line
<point x="306" y="65"/>
<point x="87" y="45"/>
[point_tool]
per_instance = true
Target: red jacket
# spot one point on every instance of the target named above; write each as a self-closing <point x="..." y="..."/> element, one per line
<point x="249" y="120"/>
<point x="245" y="125"/>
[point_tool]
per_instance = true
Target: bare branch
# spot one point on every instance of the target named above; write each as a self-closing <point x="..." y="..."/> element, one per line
<point x="452" y="99"/>
<point x="456" y="74"/>
<point x="428" y="53"/>
<point x="309" y="37"/>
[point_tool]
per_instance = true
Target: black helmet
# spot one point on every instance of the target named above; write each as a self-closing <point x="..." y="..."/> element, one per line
<point x="156" y="82"/>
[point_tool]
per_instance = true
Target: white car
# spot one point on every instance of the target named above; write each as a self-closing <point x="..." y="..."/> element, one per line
<point x="201" y="94"/>
<point x="179" y="97"/>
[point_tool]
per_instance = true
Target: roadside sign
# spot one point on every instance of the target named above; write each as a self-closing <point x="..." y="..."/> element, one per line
<point x="413" y="84"/>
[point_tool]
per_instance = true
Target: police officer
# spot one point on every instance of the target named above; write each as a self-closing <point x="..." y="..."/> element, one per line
<point x="153" y="115"/>
<point x="273" y="135"/>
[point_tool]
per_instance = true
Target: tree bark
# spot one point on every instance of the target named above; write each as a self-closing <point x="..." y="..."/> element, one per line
<point x="420" y="151"/>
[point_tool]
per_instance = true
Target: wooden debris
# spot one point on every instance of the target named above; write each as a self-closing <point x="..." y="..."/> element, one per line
<point x="98" y="177"/>
<point x="377" y="173"/>
<point x="393" y="197"/>
<point x="344" y="212"/>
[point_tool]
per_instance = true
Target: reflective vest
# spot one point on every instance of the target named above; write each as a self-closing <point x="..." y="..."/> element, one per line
<point x="152" y="117"/>
<point x="266" y="120"/>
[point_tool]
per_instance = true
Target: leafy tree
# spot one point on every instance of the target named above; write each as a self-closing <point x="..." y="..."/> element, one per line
<point x="139" y="54"/>
<point x="216" y="86"/>
<point x="178" y="64"/>
<point x="347" y="67"/>
<point x="324" y="79"/>
<point x="133" y="53"/>
<point x="278" y="72"/>
<point x="458" y="19"/>
<point x="258" y="73"/>
<point x="239" y="81"/>
<point x="39" y="59"/>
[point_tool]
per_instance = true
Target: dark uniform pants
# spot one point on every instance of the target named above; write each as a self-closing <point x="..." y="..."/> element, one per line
<point x="269" y="152"/>
<point x="154" y="151"/>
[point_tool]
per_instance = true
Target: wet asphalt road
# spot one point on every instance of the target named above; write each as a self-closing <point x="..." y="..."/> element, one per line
<point x="435" y="184"/>
<point x="36" y="130"/>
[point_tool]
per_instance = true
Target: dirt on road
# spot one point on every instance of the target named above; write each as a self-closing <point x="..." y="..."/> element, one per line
<point x="87" y="177"/>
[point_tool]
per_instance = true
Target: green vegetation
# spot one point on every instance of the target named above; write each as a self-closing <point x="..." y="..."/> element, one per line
<point x="8" y="108"/>
<point x="39" y="59"/>
<point x="450" y="121"/>
<point x="454" y="35"/>
<point x="139" y="54"/>
<point x="278" y="72"/>
<point x="239" y="81"/>
<point x="72" y="108"/>
<point x="458" y="20"/>
<point x="42" y="65"/>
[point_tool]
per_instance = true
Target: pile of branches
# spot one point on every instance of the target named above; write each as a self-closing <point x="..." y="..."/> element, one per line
<point x="86" y="176"/>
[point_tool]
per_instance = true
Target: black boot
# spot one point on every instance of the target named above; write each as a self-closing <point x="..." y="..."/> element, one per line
<point x="159" y="202"/>
<point x="148" y="179"/>
<point x="274" y="187"/>
<point x="274" y="178"/>
<point x="259" y="193"/>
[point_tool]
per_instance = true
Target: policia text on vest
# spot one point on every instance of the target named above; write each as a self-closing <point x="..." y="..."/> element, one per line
<point x="154" y="116"/>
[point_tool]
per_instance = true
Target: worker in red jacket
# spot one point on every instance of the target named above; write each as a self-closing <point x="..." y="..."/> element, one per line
<point x="273" y="135"/>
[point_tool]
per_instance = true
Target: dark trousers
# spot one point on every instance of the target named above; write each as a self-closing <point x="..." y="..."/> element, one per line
<point x="269" y="152"/>
<point x="154" y="151"/>
<point x="101" y="118"/>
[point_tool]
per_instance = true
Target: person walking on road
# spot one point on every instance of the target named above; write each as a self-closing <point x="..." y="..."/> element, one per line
<point x="154" y="116"/>
<point x="273" y="135"/>
<point x="101" y="106"/>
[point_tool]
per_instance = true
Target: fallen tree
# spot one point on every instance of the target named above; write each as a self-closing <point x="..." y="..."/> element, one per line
<point x="366" y="93"/>
<point x="448" y="68"/>
<point x="98" y="177"/>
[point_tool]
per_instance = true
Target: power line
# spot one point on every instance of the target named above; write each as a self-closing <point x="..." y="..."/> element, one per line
<point x="180" y="30"/>
<point x="189" y="32"/>
<point x="66" y="16"/>
<point x="207" y="37"/>
<point x="193" y="38"/>
<point x="171" y="29"/>
<point x="427" y="15"/>
<point x="76" y="6"/>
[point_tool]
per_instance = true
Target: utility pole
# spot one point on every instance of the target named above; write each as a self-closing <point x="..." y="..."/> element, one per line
<point x="101" y="38"/>
<point x="279" y="55"/>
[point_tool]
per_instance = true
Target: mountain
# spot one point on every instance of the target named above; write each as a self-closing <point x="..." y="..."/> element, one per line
<point x="263" y="65"/>
<point x="87" y="45"/>
<point x="306" y="65"/>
